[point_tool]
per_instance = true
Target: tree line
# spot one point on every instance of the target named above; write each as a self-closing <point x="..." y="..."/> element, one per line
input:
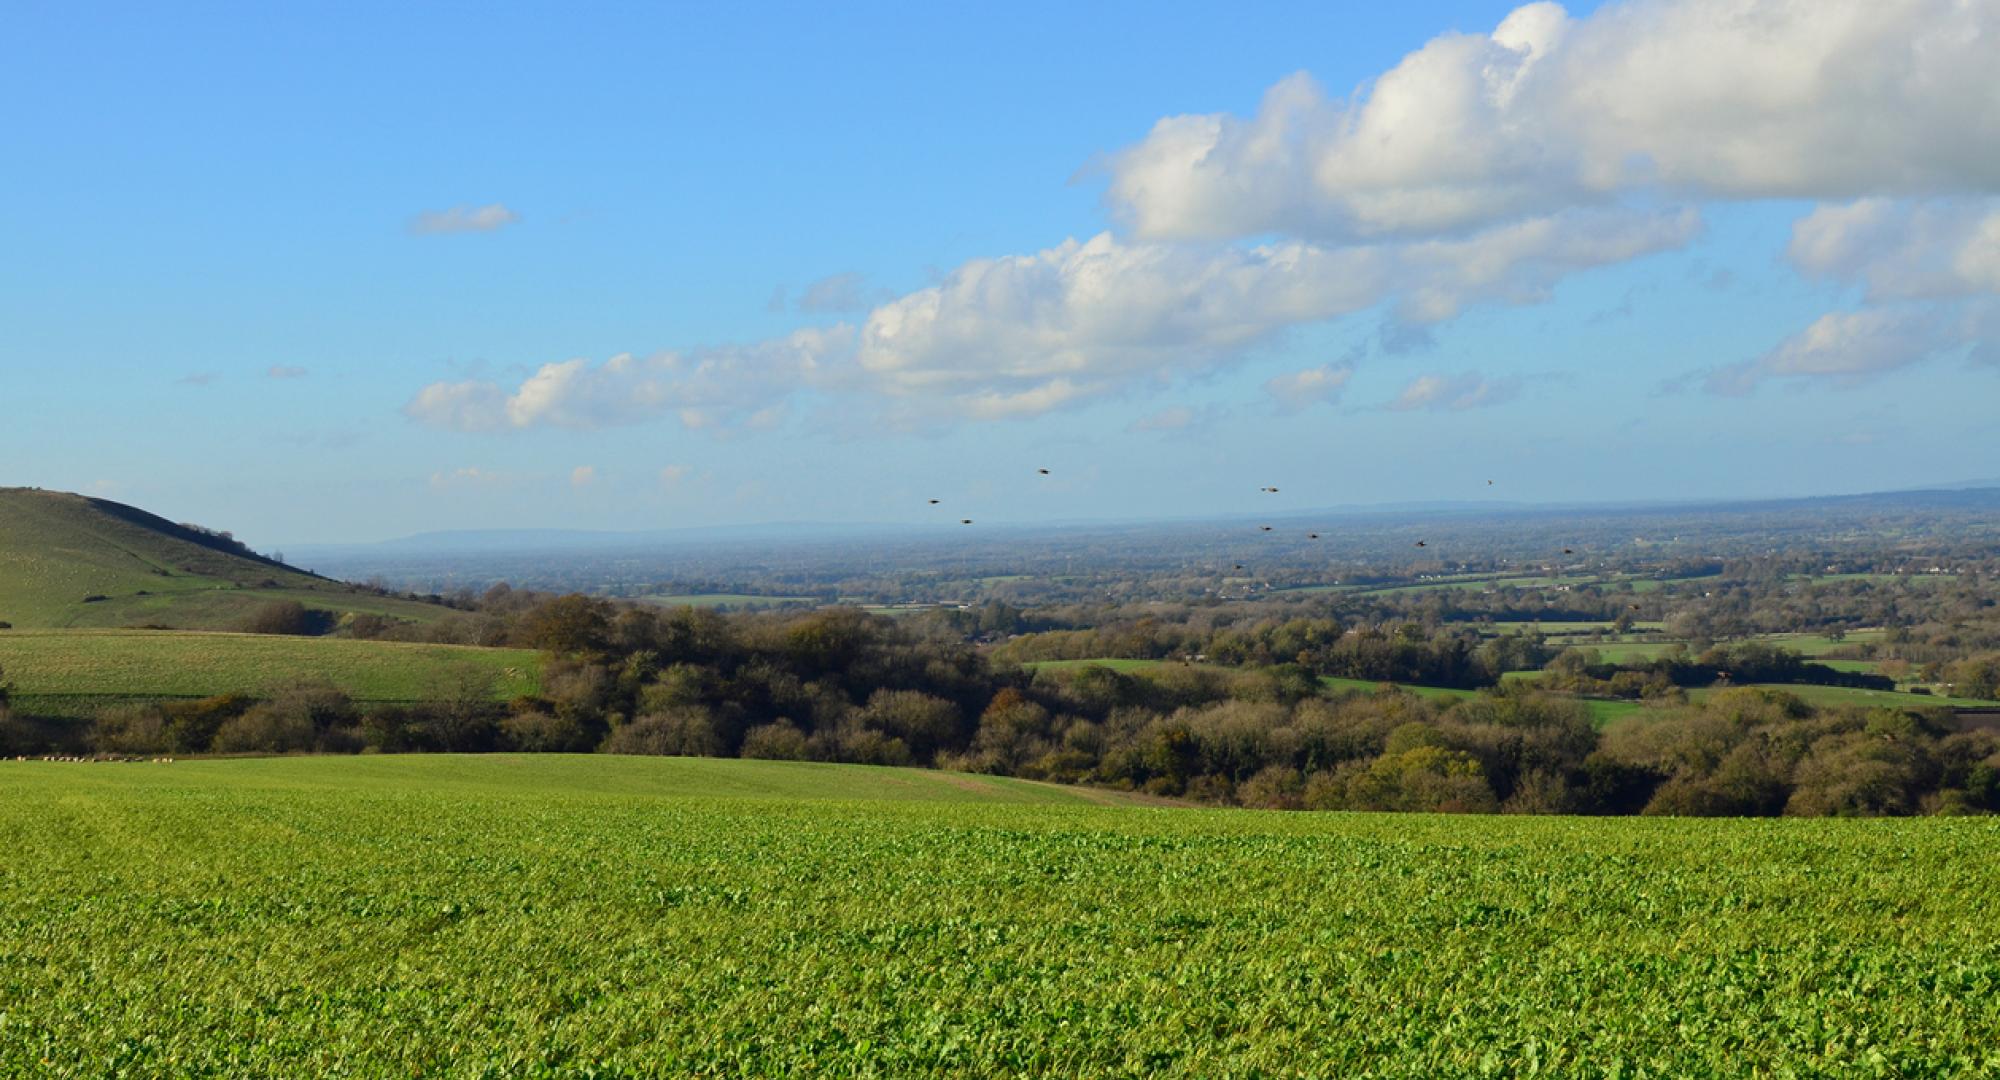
<point x="840" y="685"/>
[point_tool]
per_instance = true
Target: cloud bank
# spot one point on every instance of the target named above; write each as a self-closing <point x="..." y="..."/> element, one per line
<point x="1480" y="169"/>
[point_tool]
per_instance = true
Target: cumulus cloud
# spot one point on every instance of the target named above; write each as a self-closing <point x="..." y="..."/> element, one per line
<point x="1480" y="169"/>
<point x="1027" y="333"/>
<point x="1699" y="98"/>
<point x="700" y="388"/>
<point x="1313" y="386"/>
<point x="1903" y="250"/>
<point x="1023" y="335"/>
<point x="463" y="219"/>
<point x="282" y="371"/>
<point x="1928" y="270"/>
<point x="1455" y="393"/>
<point x="1846" y="346"/>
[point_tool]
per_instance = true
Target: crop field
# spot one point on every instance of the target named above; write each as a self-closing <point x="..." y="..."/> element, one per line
<point x="51" y="669"/>
<point x="524" y="916"/>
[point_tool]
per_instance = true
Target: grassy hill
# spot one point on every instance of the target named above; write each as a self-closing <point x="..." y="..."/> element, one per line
<point x="559" y="916"/>
<point x="73" y="561"/>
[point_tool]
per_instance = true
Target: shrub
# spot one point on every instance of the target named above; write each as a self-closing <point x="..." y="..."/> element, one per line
<point x="277" y="617"/>
<point x="776" y="742"/>
<point x="1277" y="787"/>
<point x="539" y="732"/>
<point x="687" y="731"/>
<point x="265" y="729"/>
<point x="130" y="729"/>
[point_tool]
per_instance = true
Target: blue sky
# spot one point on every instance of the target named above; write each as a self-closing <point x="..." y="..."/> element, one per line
<point x="294" y="271"/>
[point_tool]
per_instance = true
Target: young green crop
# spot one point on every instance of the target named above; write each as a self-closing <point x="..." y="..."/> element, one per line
<point x="597" y="916"/>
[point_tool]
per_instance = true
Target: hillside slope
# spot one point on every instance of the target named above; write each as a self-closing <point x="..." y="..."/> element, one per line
<point x="69" y="560"/>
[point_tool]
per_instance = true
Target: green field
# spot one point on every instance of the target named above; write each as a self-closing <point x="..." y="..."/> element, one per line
<point x="1369" y="686"/>
<point x="1830" y="696"/>
<point x="729" y="600"/>
<point x="59" y="672"/>
<point x="517" y="916"/>
<point x="1114" y="663"/>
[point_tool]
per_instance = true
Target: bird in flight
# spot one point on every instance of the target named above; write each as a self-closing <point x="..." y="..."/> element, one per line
<point x="1238" y="566"/>
<point x="1489" y="483"/>
<point x="1044" y="472"/>
<point x="934" y="502"/>
<point x="1567" y="551"/>
<point x="965" y="521"/>
<point x="1270" y="490"/>
<point x="1312" y="536"/>
<point x="1420" y="543"/>
<point x="1265" y="528"/>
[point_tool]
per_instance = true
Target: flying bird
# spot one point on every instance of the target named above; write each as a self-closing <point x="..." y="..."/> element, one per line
<point x="1271" y="490"/>
<point x="1238" y="566"/>
<point x="934" y="502"/>
<point x="1420" y="543"/>
<point x="1312" y="536"/>
<point x="1044" y="472"/>
<point x="965" y="521"/>
<point x="1265" y="528"/>
<point x="1567" y="551"/>
<point x="1489" y="483"/>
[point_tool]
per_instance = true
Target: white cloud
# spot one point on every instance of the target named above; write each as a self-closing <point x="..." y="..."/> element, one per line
<point x="1313" y="386"/>
<point x="1024" y="334"/>
<point x="1481" y="169"/>
<point x="1698" y="98"/>
<point x="582" y="476"/>
<point x="1848" y="347"/>
<point x="1903" y="250"/>
<point x="700" y="388"/>
<point x="463" y="219"/>
<point x="1455" y="393"/>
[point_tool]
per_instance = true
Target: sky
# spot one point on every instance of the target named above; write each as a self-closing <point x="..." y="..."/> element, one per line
<point x="346" y="272"/>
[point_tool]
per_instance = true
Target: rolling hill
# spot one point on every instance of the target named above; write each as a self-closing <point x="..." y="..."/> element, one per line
<point x="73" y="561"/>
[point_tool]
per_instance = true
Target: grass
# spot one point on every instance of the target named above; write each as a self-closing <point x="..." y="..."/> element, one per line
<point x="730" y="600"/>
<point x="1833" y="696"/>
<point x="654" y="917"/>
<point x="56" y="550"/>
<point x="63" y="672"/>
<point x="1369" y="686"/>
<point x="1118" y="664"/>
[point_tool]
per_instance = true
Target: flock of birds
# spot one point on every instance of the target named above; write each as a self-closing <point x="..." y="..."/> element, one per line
<point x="1268" y="490"/>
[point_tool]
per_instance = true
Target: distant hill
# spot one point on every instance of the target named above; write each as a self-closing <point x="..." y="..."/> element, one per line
<point x="70" y="560"/>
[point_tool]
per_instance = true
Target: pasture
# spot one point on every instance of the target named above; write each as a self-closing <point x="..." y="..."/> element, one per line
<point x="540" y="916"/>
<point x="65" y="672"/>
<point x="732" y="601"/>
